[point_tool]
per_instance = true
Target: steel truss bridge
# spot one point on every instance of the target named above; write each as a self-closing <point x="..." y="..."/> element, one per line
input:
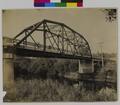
<point x="51" y="39"/>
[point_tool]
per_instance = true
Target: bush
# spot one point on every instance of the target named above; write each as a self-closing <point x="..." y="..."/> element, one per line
<point x="51" y="90"/>
<point x="106" y="94"/>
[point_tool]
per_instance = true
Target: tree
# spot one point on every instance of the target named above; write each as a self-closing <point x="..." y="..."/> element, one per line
<point x="111" y="14"/>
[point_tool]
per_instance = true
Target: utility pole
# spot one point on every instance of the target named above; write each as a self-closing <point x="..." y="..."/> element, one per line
<point x="102" y="58"/>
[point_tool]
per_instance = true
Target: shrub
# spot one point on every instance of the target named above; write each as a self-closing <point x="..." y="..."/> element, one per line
<point x="106" y="94"/>
<point x="51" y="90"/>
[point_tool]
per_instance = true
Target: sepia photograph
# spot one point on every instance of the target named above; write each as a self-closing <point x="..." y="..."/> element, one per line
<point x="60" y="55"/>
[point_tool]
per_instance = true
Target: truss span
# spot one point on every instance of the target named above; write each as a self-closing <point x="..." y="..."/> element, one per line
<point x="54" y="37"/>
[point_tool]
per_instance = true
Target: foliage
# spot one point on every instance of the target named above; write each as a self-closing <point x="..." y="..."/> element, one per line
<point x="49" y="90"/>
<point x="36" y="82"/>
<point x="43" y="67"/>
<point x="111" y="14"/>
<point x="106" y="94"/>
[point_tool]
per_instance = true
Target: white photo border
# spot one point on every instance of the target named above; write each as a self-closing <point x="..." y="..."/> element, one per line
<point x="28" y="4"/>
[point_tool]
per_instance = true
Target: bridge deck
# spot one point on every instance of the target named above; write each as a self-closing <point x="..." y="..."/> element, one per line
<point x="38" y="53"/>
<point x="33" y="50"/>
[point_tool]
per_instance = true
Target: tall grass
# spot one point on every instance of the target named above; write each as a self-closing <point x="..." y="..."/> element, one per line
<point x="51" y="90"/>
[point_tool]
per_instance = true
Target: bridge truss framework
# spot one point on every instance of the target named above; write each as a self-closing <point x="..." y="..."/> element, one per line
<point x="57" y="38"/>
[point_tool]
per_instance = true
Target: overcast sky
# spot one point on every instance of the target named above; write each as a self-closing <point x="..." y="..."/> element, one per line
<point x="90" y="23"/>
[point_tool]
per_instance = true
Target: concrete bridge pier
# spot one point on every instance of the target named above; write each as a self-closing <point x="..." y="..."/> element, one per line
<point x="80" y="67"/>
<point x="85" y="66"/>
<point x="80" y="70"/>
<point x="8" y="71"/>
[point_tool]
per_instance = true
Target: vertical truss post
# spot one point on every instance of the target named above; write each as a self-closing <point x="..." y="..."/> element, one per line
<point x="62" y="39"/>
<point x="25" y="42"/>
<point x="74" y="43"/>
<point x="92" y="65"/>
<point x="58" y="37"/>
<point x="44" y="37"/>
<point x="67" y="47"/>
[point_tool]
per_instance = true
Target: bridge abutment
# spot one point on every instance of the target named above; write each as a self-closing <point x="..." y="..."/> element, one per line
<point x="8" y="70"/>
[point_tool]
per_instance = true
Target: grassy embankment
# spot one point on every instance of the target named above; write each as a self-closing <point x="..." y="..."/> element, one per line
<point x="49" y="90"/>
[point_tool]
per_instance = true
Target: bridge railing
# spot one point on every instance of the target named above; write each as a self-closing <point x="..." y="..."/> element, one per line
<point x="36" y="46"/>
<point x="39" y="47"/>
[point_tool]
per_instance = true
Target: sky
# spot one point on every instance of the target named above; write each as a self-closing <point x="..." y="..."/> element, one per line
<point x="90" y="23"/>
